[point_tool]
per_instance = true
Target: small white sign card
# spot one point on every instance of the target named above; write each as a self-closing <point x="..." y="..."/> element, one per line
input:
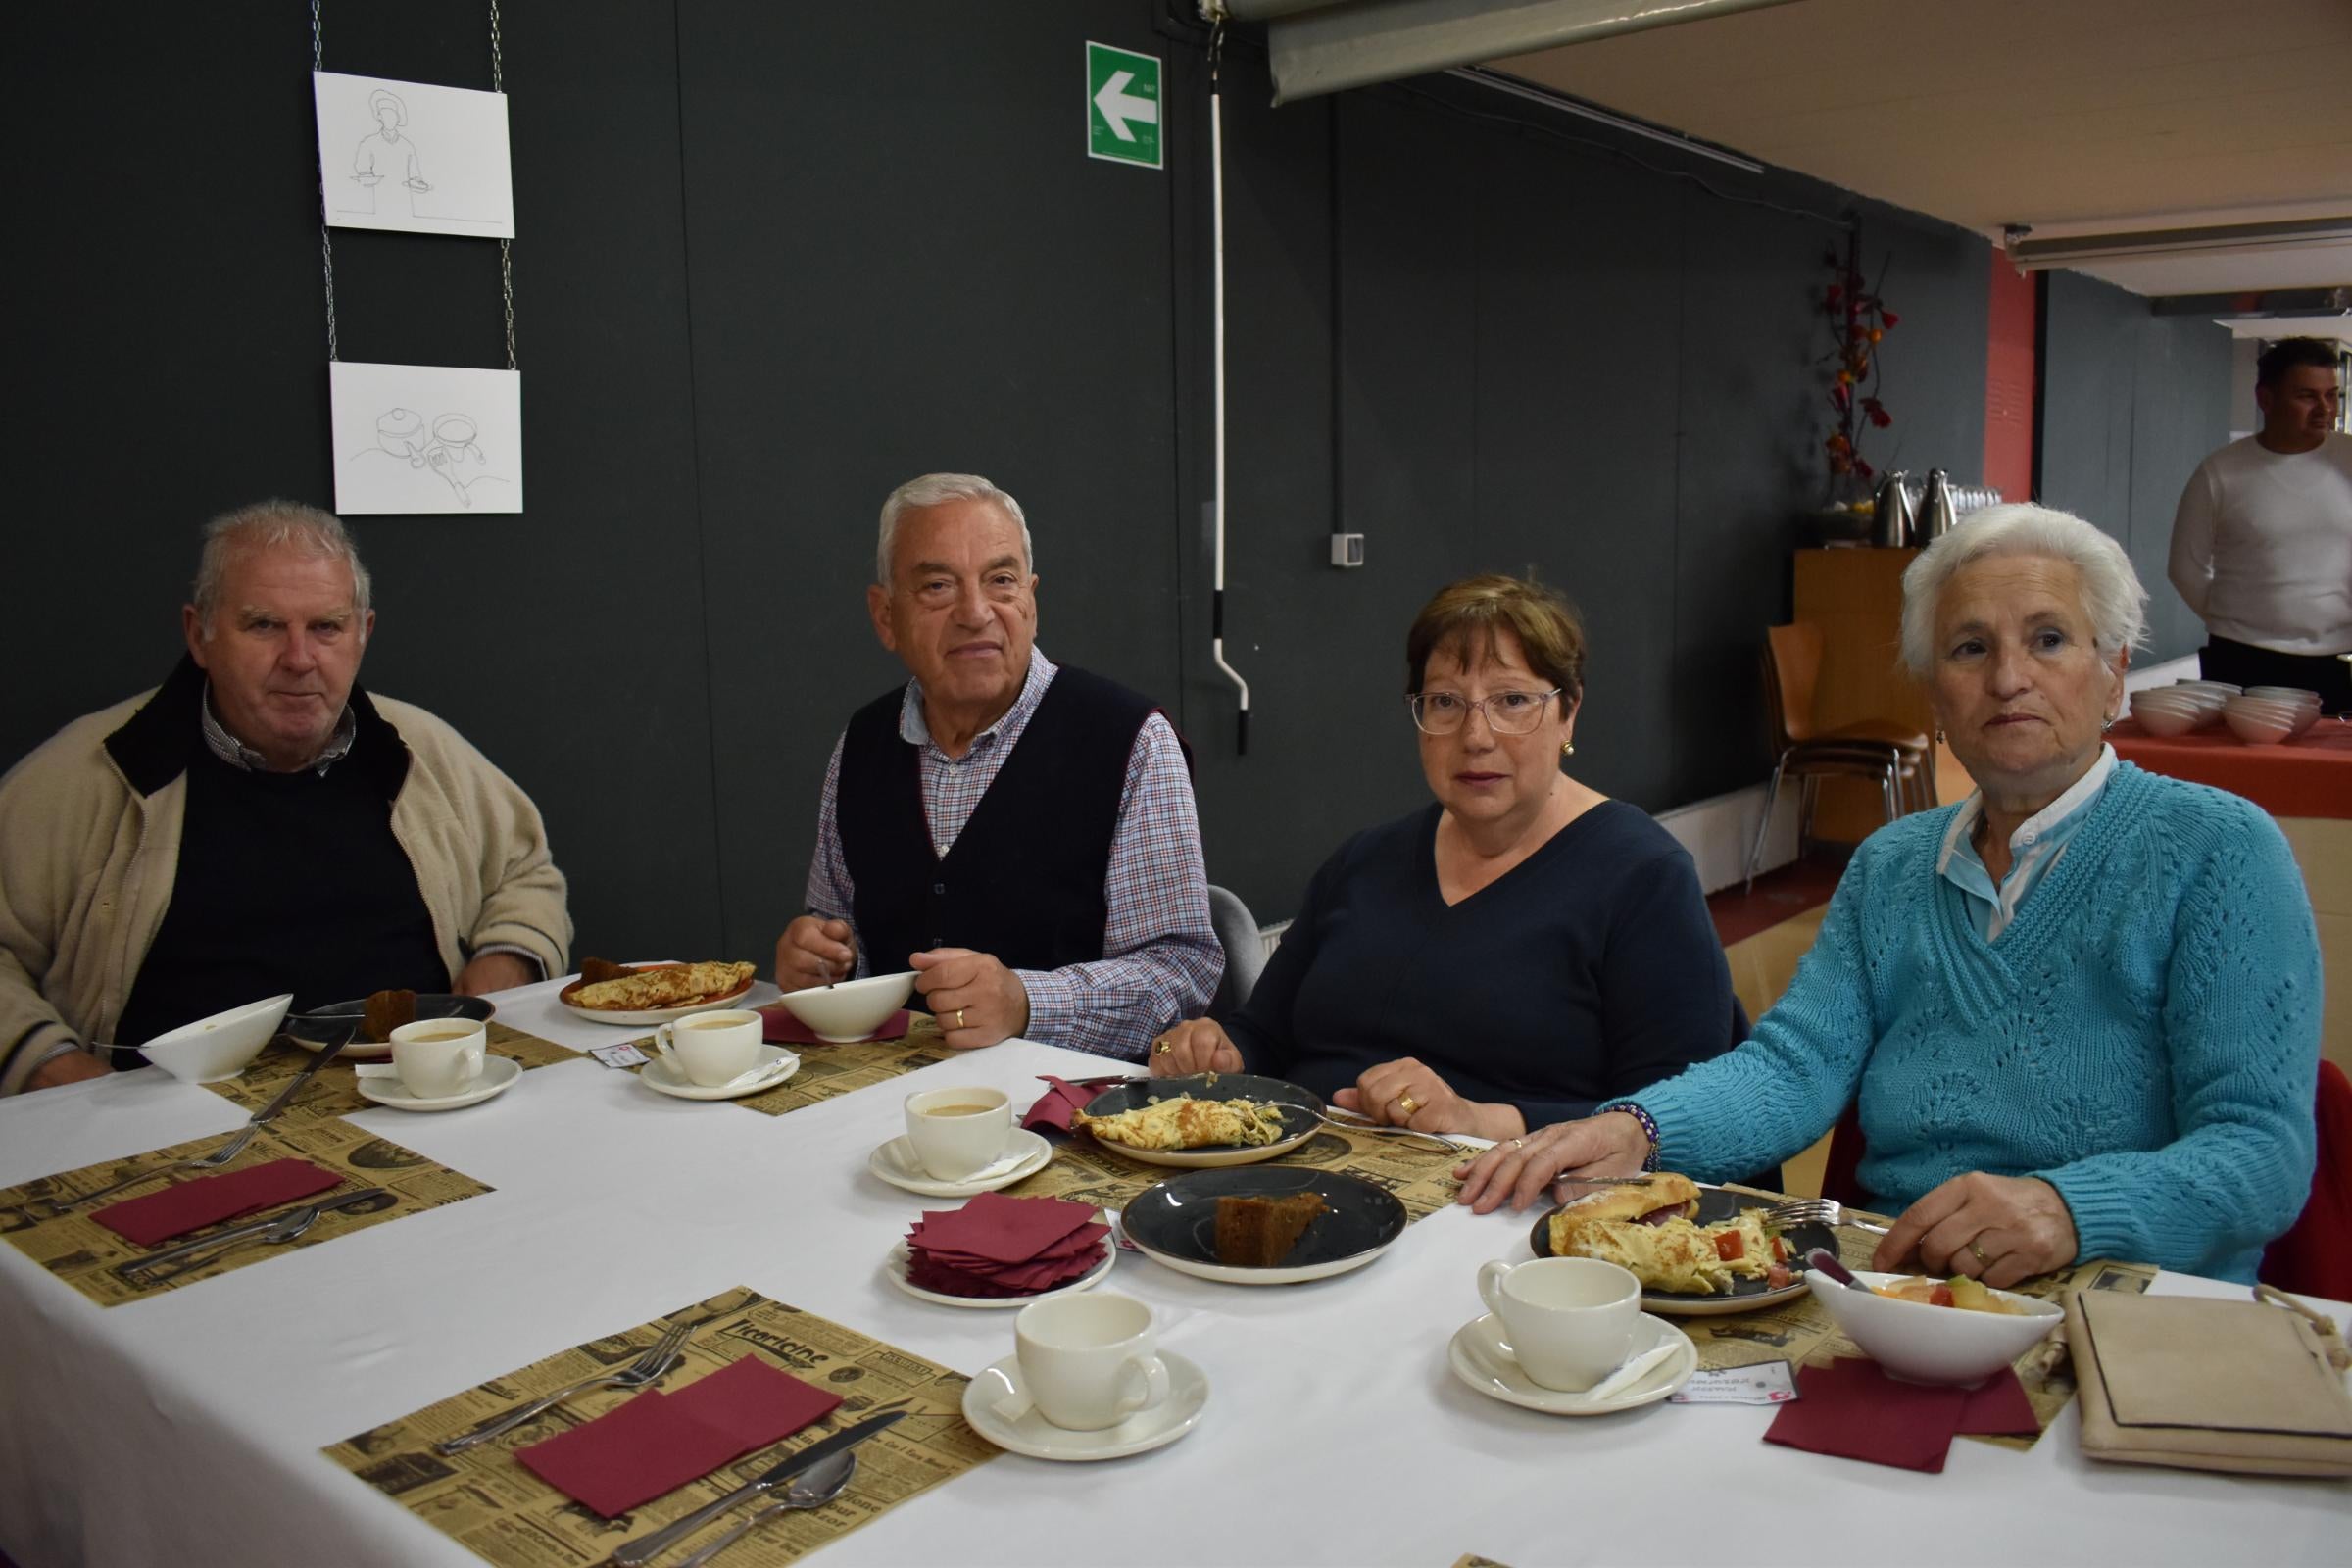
<point x="411" y="156"/>
<point x="426" y="438"/>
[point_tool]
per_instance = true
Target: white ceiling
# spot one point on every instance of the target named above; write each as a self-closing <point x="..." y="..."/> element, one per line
<point x="2071" y="115"/>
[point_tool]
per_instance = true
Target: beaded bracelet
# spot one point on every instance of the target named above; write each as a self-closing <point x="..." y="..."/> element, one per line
<point x="1650" y="1129"/>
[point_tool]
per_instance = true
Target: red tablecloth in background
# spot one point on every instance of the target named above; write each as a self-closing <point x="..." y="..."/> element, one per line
<point x="2310" y="775"/>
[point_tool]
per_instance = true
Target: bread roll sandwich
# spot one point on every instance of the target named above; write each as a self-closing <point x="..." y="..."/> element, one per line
<point x="1648" y="1230"/>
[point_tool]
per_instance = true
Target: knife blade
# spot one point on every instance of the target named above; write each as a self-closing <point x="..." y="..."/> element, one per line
<point x="324" y="1205"/>
<point x="286" y="1096"/>
<point x="646" y="1548"/>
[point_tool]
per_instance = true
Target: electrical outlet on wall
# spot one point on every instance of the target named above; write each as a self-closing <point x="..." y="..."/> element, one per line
<point x="1347" y="549"/>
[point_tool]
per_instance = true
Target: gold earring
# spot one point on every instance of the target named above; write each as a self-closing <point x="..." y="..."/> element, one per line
<point x="1567" y="748"/>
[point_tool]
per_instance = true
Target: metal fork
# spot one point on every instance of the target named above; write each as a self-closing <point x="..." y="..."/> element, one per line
<point x="650" y="1367"/>
<point x="1344" y="1122"/>
<point x="211" y="1162"/>
<point x="812" y="1489"/>
<point x="1816" y="1211"/>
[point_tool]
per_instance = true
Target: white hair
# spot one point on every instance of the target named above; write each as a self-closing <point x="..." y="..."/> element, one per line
<point x="273" y="525"/>
<point x="936" y="489"/>
<point x="2111" y="592"/>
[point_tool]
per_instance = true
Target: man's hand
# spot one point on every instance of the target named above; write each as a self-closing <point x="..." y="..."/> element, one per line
<point x="2001" y="1229"/>
<point x="976" y="999"/>
<point x="1196" y="1046"/>
<point x="1408" y="1092"/>
<point x="1520" y="1169"/>
<point x="496" y="972"/>
<point x="814" y="952"/>
<point x="71" y="1067"/>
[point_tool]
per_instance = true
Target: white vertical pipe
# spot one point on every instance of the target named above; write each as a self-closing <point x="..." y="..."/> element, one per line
<point x="1217" y="188"/>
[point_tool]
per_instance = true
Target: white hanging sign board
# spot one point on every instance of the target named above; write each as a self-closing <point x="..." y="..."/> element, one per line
<point x="411" y="156"/>
<point x="426" y="438"/>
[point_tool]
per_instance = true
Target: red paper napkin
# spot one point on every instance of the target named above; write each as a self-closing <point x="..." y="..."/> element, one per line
<point x="1055" y="1106"/>
<point x="1000" y="1246"/>
<point x="1998" y="1407"/>
<point x="784" y="1029"/>
<point x="191" y="1205"/>
<point x="1852" y="1410"/>
<point x="659" y="1442"/>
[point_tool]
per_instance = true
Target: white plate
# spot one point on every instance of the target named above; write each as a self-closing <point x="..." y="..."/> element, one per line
<point x="1025" y="1153"/>
<point x="777" y="1066"/>
<point x="1481" y="1358"/>
<point x="893" y="1269"/>
<point x="646" y="1019"/>
<point x="1039" y="1438"/>
<point x="498" y="1076"/>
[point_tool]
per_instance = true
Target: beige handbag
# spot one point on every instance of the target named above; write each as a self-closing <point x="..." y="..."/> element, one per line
<point x="2209" y="1385"/>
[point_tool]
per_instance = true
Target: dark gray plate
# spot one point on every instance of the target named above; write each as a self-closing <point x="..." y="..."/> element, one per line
<point x="1176" y="1222"/>
<point x="1302" y="1115"/>
<point x="1746" y="1295"/>
<point x="322" y="1027"/>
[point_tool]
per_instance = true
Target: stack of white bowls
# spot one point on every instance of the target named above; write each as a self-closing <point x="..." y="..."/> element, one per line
<point x="2176" y="709"/>
<point x="2271" y="713"/>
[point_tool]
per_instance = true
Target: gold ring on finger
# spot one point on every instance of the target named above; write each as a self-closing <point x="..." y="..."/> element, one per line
<point x="1975" y="1249"/>
<point x="1161" y="1047"/>
<point x="1408" y="1104"/>
<point x="1518" y="1143"/>
<point x="958" y="1018"/>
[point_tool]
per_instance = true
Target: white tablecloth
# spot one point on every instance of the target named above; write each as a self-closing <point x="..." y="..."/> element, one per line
<point x="187" y="1428"/>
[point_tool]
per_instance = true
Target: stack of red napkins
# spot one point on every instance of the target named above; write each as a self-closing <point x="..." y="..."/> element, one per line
<point x="1055" y="1106"/>
<point x="998" y="1246"/>
<point x="1854" y="1410"/>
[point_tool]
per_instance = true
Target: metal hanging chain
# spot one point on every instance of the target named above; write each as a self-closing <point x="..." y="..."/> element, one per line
<point x="506" y="247"/>
<point x="326" y="242"/>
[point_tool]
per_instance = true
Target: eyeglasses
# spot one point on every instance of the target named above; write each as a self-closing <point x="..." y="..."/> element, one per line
<point x="1507" y="713"/>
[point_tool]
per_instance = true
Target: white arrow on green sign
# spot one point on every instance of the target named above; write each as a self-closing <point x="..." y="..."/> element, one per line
<point x="1122" y="106"/>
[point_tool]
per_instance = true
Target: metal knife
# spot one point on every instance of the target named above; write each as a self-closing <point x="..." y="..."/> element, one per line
<point x="646" y="1548"/>
<point x="324" y="1205"/>
<point x="286" y="1096"/>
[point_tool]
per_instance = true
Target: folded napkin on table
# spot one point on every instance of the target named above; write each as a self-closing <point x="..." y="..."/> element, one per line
<point x="784" y="1029"/>
<point x="1000" y="1246"/>
<point x="191" y="1205"/>
<point x="659" y="1442"/>
<point x="1055" y="1106"/>
<point x="1851" y="1409"/>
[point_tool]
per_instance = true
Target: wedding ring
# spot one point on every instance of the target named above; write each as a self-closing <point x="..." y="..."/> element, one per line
<point x="1518" y="1143"/>
<point x="958" y="1018"/>
<point x="1976" y="1251"/>
<point x="1161" y="1047"/>
<point x="1408" y="1104"/>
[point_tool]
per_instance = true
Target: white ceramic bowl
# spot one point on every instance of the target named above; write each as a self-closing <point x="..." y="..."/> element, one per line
<point x="2284" y="694"/>
<point x="1933" y="1344"/>
<point x="2261" y="728"/>
<point x="213" y="1049"/>
<point x="851" y="1009"/>
<point x="2222" y="686"/>
<point x="2296" y="719"/>
<point x="2167" y="719"/>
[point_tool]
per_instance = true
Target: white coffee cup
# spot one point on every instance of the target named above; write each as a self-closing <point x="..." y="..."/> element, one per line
<point x="1087" y="1361"/>
<point x="712" y="1047"/>
<point x="1570" y="1319"/>
<point x="438" y="1056"/>
<point x="955" y="1132"/>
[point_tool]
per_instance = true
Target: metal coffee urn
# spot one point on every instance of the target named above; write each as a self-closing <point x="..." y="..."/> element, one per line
<point x="1893" y="519"/>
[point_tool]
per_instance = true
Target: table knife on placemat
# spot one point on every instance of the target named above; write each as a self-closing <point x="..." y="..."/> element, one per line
<point x="251" y="1228"/>
<point x="646" y="1548"/>
<point x="286" y="1096"/>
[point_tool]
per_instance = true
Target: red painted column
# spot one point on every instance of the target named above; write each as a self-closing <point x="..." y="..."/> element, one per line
<point x="2009" y="381"/>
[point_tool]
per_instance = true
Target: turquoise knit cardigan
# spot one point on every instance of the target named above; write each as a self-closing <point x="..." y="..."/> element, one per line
<point x="2144" y="1036"/>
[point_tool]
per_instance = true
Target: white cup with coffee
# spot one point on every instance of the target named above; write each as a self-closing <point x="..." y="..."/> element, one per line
<point x="1570" y="1319"/>
<point x="956" y="1133"/>
<point x="436" y="1057"/>
<point x="1087" y="1361"/>
<point x="714" y="1047"/>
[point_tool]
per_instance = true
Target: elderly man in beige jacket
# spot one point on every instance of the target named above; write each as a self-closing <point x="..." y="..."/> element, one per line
<point x="257" y="825"/>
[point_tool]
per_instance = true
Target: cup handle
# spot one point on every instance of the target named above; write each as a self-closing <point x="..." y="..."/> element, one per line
<point x="1491" y="1276"/>
<point x="1014" y="1401"/>
<point x="1151" y="1373"/>
<point x="662" y="1038"/>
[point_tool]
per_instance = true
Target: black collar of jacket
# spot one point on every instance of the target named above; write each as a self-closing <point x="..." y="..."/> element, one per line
<point x="155" y="746"/>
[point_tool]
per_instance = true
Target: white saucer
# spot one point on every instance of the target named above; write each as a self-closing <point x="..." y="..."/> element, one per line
<point x="498" y="1075"/>
<point x="776" y="1066"/>
<point x="893" y="1269"/>
<point x="1039" y="1438"/>
<point x="1025" y="1153"/>
<point x="1482" y="1358"/>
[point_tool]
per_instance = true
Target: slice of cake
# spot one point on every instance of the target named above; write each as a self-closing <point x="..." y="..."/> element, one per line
<point x="1259" y="1232"/>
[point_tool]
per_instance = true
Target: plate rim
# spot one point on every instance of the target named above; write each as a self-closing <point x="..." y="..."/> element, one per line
<point x="1213" y="1156"/>
<point x="896" y="1260"/>
<point x="458" y="1102"/>
<point x="926" y="1188"/>
<point x="640" y="1017"/>
<point x="357" y="1049"/>
<point x="1298" y="1274"/>
<point x="1632" y="1398"/>
<point x="719" y="1091"/>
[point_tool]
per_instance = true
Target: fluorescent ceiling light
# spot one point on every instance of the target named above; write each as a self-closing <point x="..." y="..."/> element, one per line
<point x="2033" y="255"/>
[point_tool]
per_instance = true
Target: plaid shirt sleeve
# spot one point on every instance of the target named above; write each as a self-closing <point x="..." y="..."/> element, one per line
<point x="1161" y="958"/>
<point x="829" y="887"/>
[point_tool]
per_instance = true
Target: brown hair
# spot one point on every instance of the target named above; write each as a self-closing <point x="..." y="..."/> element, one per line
<point x="1466" y="619"/>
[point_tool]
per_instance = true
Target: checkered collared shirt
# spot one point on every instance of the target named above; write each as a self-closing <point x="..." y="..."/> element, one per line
<point x="236" y="753"/>
<point x="1160" y="956"/>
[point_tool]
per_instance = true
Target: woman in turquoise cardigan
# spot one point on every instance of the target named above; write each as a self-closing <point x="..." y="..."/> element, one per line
<point x="2079" y="1012"/>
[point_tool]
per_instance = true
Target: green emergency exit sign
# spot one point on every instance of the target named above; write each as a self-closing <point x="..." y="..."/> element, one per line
<point x="1122" y="106"/>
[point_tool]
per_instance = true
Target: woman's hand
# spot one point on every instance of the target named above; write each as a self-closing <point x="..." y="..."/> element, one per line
<point x="1197" y="1045"/>
<point x="1999" y="1229"/>
<point x="1408" y="1092"/>
<point x="1520" y="1170"/>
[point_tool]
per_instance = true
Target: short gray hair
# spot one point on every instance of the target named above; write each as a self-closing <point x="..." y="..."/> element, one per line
<point x="274" y="524"/>
<point x="936" y="489"/>
<point x="2111" y="592"/>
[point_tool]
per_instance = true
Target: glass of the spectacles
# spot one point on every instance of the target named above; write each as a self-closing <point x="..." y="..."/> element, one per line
<point x="1507" y="713"/>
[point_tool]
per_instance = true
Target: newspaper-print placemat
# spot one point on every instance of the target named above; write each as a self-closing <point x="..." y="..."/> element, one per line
<point x="488" y="1502"/>
<point x="828" y="1071"/>
<point x="335" y="1091"/>
<point x="83" y="1253"/>
<point x="1800" y="1330"/>
<point x="1420" y="1175"/>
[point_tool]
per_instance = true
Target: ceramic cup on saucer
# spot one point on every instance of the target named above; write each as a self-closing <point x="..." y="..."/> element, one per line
<point x="955" y="1132"/>
<point x="1087" y="1361"/>
<point x="712" y="1047"/>
<point x="1571" y="1319"/>
<point x="436" y="1057"/>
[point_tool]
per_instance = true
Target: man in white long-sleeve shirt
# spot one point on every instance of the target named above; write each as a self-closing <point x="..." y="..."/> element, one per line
<point x="2262" y="542"/>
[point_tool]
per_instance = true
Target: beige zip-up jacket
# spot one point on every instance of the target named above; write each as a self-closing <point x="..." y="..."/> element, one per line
<point x="89" y="846"/>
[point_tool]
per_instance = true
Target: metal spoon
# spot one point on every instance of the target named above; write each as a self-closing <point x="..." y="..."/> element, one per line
<point x="1822" y="1258"/>
<point x="812" y="1489"/>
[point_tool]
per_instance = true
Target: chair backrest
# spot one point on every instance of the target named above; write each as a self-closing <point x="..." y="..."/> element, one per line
<point x="2315" y="1257"/>
<point x="1791" y="669"/>
<point x="1244" y="951"/>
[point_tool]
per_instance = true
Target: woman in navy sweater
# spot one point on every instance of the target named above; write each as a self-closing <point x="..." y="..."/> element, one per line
<point x="1516" y="953"/>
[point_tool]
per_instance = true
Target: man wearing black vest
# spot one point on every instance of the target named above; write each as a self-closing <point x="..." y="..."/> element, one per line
<point x="1020" y="834"/>
<point x="257" y="825"/>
